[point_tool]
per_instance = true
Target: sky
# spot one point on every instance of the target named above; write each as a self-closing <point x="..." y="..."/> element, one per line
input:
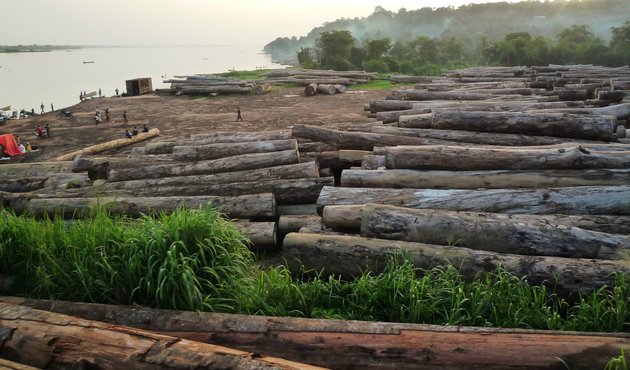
<point x="180" y="22"/>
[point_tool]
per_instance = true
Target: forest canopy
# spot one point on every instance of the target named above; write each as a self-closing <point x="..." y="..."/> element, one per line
<point x="426" y="40"/>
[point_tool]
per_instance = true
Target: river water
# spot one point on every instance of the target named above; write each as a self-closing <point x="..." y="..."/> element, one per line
<point x="29" y="79"/>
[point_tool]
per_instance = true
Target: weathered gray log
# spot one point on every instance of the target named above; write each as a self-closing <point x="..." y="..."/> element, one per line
<point x="495" y="179"/>
<point x="420" y="95"/>
<point x="22" y="185"/>
<point x="485" y="231"/>
<point x="350" y="256"/>
<point x="341" y="158"/>
<point x="71" y="342"/>
<point x="289" y="171"/>
<point x="326" y="89"/>
<point x="603" y="200"/>
<point x="223" y="137"/>
<point x="220" y="89"/>
<point x="543" y="124"/>
<point x="314" y="146"/>
<point x="262" y="235"/>
<point x="360" y="344"/>
<point x="358" y="140"/>
<point x="487" y="138"/>
<point x="159" y="147"/>
<point x="310" y="89"/>
<point x="349" y="217"/>
<point x="293" y="223"/>
<point x="244" y="206"/>
<point x="297" y="209"/>
<point x="235" y="163"/>
<point x="222" y="150"/>
<point x="340" y="89"/>
<point x="436" y="157"/>
<point x="36" y="169"/>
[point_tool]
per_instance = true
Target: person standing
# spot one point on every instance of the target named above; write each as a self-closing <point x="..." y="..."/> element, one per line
<point x="125" y="117"/>
<point x="42" y="107"/>
<point x="47" y="130"/>
<point x="99" y="91"/>
<point x="116" y="91"/>
<point x="52" y="109"/>
<point x="238" y="114"/>
<point x="107" y="114"/>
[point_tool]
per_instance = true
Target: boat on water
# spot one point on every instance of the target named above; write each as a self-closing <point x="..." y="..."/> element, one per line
<point x="8" y="107"/>
<point x="89" y="61"/>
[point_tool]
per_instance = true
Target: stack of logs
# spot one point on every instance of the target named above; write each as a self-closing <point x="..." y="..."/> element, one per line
<point x="305" y="77"/>
<point x="210" y="84"/>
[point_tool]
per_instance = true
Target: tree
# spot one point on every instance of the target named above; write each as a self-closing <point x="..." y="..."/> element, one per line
<point x="376" y="49"/>
<point x="335" y="48"/>
<point x="307" y="58"/>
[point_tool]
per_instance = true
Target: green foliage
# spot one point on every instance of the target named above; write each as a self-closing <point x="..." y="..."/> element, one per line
<point x="335" y="48"/>
<point x="308" y="58"/>
<point x="617" y="363"/>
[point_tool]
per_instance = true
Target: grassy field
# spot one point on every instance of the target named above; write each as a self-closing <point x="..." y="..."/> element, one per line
<point x="197" y="260"/>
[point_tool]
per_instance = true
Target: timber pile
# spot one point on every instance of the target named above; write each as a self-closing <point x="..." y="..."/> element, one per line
<point x="304" y="77"/>
<point x="482" y="158"/>
<point x="210" y="84"/>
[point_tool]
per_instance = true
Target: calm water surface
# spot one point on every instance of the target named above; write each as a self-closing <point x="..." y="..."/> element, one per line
<point x="30" y="79"/>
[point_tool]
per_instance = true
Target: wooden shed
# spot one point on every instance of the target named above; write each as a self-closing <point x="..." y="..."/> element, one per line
<point x="139" y="86"/>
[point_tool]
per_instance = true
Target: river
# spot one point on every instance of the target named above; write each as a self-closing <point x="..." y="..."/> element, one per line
<point x="29" y="79"/>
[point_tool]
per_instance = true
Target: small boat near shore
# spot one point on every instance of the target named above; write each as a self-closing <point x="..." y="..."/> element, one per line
<point x="87" y="62"/>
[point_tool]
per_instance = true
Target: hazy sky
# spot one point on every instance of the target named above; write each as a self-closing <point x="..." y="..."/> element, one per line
<point x="180" y="22"/>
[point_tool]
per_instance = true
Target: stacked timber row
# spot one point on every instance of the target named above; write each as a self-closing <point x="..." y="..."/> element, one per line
<point x="305" y="77"/>
<point x="246" y="176"/>
<point x="210" y="84"/>
<point x="542" y="191"/>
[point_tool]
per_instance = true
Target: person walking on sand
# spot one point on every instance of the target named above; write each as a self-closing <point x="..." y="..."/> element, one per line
<point x="116" y="91"/>
<point x="42" y="106"/>
<point x="125" y="117"/>
<point x="52" y="109"/>
<point x="107" y="114"/>
<point x="238" y="114"/>
<point x="47" y="130"/>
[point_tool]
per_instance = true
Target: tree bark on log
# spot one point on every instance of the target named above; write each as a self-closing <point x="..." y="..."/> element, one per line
<point x="358" y="140"/>
<point x="310" y="89"/>
<point x="420" y="95"/>
<point x="474" y="137"/>
<point x="244" y="206"/>
<point x="22" y="185"/>
<point x="36" y="169"/>
<point x="293" y="223"/>
<point x="228" y="164"/>
<point x="435" y="157"/>
<point x="485" y="231"/>
<point x="351" y="256"/>
<point x="349" y="217"/>
<point x="360" y="344"/>
<point x="372" y="162"/>
<point x="602" y="200"/>
<point x="541" y="124"/>
<point x="297" y="209"/>
<point x="326" y="89"/>
<point x="51" y="340"/>
<point x="497" y="179"/>
<point x="222" y="150"/>
<point x="109" y="145"/>
<point x="159" y="147"/>
<point x="223" y="137"/>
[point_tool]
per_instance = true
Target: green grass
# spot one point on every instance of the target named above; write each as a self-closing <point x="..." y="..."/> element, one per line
<point x="617" y="363"/>
<point x="377" y="85"/>
<point x="197" y="260"/>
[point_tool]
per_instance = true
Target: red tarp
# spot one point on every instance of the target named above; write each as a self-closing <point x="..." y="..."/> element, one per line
<point x="10" y="145"/>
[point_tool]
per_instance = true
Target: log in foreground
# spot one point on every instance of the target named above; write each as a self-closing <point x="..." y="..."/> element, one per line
<point x="457" y="158"/>
<point x="349" y="217"/>
<point x="262" y="235"/>
<point x="546" y="124"/>
<point x="492" y="179"/>
<point x="244" y="206"/>
<point x="114" y="144"/>
<point x="36" y="169"/>
<point x="602" y="200"/>
<point x="490" y="232"/>
<point x="51" y="340"/>
<point x="228" y="164"/>
<point x="350" y="256"/>
<point x="360" y="344"/>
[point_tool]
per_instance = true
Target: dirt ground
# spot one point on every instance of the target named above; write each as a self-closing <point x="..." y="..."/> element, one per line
<point x="180" y="116"/>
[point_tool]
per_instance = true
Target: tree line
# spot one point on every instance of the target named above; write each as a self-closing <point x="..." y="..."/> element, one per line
<point x="577" y="44"/>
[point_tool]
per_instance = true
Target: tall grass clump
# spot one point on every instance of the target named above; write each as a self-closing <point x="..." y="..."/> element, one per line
<point x="193" y="260"/>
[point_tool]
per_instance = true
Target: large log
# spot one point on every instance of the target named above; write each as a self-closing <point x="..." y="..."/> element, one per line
<point x="262" y="235"/>
<point x="496" y="179"/>
<point x="286" y="191"/>
<point x="51" y="340"/>
<point x="358" y="140"/>
<point x="485" y="231"/>
<point x="289" y="171"/>
<point x="235" y="163"/>
<point x="351" y="256"/>
<point x="603" y="200"/>
<point x="223" y="137"/>
<point x="244" y="206"/>
<point x="36" y="169"/>
<point x="22" y="185"/>
<point x="487" y="138"/>
<point x="349" y="217"/>
<point x="222" y="150"/>
<point x="293" y="223"/>
<point x="360" y="344"/>
<point x="543" y="124"/>
<point x="109" y="145"/>
<point x="420" y="95"/>
<point x="434" y="157"/>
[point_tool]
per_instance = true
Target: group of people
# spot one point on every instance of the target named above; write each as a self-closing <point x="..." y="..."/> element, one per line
<point x="134" y="132"/>
<point x="52" y="108"/>
<point x="97" y="116"/>
<point x="42" y="132"/>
